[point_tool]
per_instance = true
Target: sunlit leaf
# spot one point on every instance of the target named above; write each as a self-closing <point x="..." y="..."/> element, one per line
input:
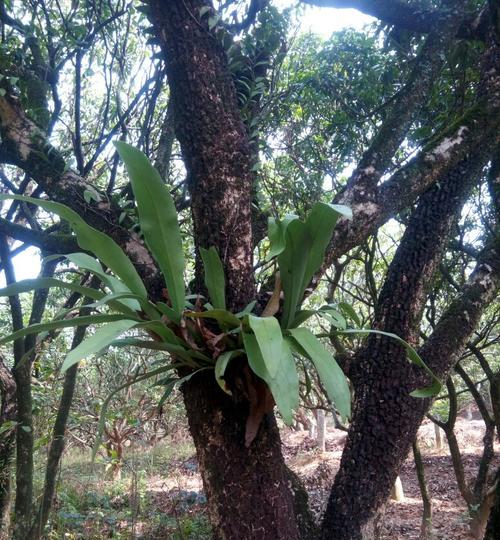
<point x="329" y="371"/>
<point x="221" y="365"/>
<point x="158" y="219"/>
<point x="285" y="386"/>
<point x="101" y="338"/>
<point x="64" y="323"/>
<point x="270" y="339"/>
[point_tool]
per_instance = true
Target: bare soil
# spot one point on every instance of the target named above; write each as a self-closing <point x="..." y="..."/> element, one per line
<point x="317" y="470"/>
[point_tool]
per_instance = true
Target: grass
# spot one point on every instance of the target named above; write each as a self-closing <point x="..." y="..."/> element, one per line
<point x="89" y="506"/>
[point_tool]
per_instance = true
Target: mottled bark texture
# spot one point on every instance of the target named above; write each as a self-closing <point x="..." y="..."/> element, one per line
<point x="386" y="418"/>
<point x="8" y="412"/>
<point x="248" y="489"/>
<point x="239" y="481"/>
<point x="213" y="140"/>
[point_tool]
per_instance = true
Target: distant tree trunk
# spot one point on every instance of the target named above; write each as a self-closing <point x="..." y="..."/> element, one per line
<point x="397" y="492"/>
<point x="321" y="437"/>
<point x="426" y="526"/>
<point x="7" y="445"/>
<point x="438" y="436"/>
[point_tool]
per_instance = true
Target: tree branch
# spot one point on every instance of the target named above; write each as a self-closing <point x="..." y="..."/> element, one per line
<point x="410" y="16"/>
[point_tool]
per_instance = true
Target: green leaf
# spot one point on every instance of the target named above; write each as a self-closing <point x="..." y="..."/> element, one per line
<point x="292" y="262"/>
<point x="46" y="283"/>
<point x="86" y="262"/>
<point x="334" y="317"/>
<point x="431" y="390"/>
<point x="303" y="252"/>
<point x="214" y="277"/>
<point x="101" y="338"/>
<point x="302" y="316"/>
<point x="63" y="323"/>
<point x="158" y="219"/>
<point x="270" y="339"/>
<point x="248" y="309"/>
<point x="285" y="386"/>
<point x="221" y="365"/>
<point x="320" y="224"/>
<point x="204" y="10"/>
<point x="329" y="371"/>
<point x="110" y="299"/>
<point x="349" y="312"/>
<point x="223" y="317"/>
<point x="276" y="230"/>
<point x="169" y="312"/>
<point x="90" y="239"/>
<point x="161" y="330"/>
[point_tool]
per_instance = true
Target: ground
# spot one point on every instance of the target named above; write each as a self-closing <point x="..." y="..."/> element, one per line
<point x="160" y="495"/>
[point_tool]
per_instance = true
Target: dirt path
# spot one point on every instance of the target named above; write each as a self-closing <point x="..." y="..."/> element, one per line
<point x="401" y="520"/>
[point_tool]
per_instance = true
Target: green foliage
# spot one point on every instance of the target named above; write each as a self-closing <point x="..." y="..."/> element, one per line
<point x="158" y="219"/>
<point x="300" y="247"/>
<point x="214" y="277"/>
<point x="209" y="337"/>
<point x="329" y="371"/>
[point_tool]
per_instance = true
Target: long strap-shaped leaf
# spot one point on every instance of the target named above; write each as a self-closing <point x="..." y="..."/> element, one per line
<point x="64" y="323"/>
<point x="27" y="285"/>
<point x="285" y="385"/>
<point x="86" y="262"/>
<point x="429" y="391"/>
<point x="214" y="277"/>
<point x="329" y="371"/>
<point x="90" y="239"/>
<point x="270" y="339"/>
<point x="320" y="224"/>
<point x="158" y="219"/>
<point x="101" y="338"/>
<point x="301" y="249"/>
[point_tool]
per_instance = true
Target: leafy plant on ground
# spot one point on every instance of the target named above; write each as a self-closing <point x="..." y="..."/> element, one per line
<point x="202" y="335"/>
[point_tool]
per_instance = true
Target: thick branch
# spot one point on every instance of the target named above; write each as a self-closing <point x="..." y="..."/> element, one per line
<point x="409" y="16"/>
<point x="24" y="145"/>
<point x="213" y="140"/>
<point x="61" y="243"/>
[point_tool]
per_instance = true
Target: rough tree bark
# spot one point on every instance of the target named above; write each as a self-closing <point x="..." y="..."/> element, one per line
<point x="386" y="418"/>
<point x="238" y="481"/>
<point x="8" y="413"/>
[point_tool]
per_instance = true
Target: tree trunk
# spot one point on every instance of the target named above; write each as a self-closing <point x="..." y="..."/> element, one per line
<point x="386" y="418"/>
<point x="426" y="526"/>
<point x="248" y="491"/>
<point x="438" y="437"/>
<point x="7" y="444"/>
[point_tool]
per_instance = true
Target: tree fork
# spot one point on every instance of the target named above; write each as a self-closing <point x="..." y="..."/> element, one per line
<point x="386" y="417"/>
